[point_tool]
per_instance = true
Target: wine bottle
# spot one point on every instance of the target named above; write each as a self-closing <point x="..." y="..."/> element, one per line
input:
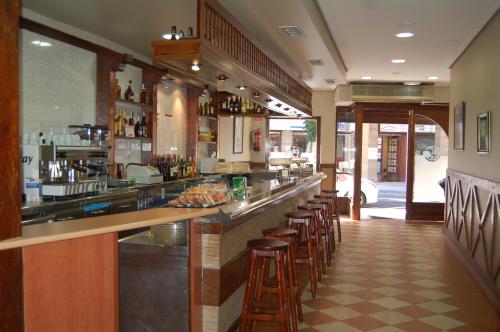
<point x="118" y="90"/>
<point x="129" y="93"/>
<point x="143" y="95"/>
<point x="131" y="120"/>
<point x="124" y="123"/>
<point x="144" y="127"/>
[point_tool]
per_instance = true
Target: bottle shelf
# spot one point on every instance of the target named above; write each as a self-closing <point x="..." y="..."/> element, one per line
<point x="209" y="117"/>
<point x="133" y="138"/>
<point x="208" y="142"/>
<point x="133" y="104"/>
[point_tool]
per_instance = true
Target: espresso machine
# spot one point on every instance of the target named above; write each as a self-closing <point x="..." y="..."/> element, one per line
<point x="66" y="167"/>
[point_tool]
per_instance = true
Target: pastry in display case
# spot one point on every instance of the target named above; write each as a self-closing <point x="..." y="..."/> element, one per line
<point x="203" y="195"/>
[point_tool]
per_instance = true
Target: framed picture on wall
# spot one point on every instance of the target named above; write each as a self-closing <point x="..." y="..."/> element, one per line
<point x="238" y="135"/>
<point x="483" y="132"/>
<point x="459" y="126"/>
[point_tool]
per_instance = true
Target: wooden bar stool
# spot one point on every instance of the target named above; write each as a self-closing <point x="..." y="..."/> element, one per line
<point x="289" y="236"/>
<point x="335" y="214"/>
<point x="302" y="221"/>
<point x="262" y="252"/>
<point x="327" y="231"/>
<point x="317" y="237"/>
<point x="328" y="215"/>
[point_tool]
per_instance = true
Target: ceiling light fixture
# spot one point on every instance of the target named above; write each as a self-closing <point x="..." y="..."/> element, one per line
<point x="287" y="109"/>
<point x="366" y="77"/>
<point x="241" y="87"/>
<point x="195" y="67"/>
<point x="256" y="94"/>
<point x="398" y="60"/>
<point x="222" y="77"/>
<point x="404" y="34"/>
<point x="41" y="43"/>
<point x="433" y="78"/>
<point x="278" y="105"/>
<point x="268" y="100"/>
<point x="411" y="83"/>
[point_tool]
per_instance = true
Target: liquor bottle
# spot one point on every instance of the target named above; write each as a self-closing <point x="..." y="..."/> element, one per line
<point x="233" y="107"/>
<point x="129" y="94"/>
<point x="137" y="128"/>
<point x="224" y="105"/>
<point x="144" y="127"/>
<point x="143" y="95"/>
<point x="200" y="105"/>
<point x="205" y="105"/>
<point x="118" y="123"/>
<point x="244" y="106"/>
<point x="174" y="170"/>
<point x="211" y="107"/>
<point x="124" y="123"/>
<point x="195" y="168"/>
<point x="180" y="167"/>
<point x="228" y="104"/>
<point x="118" y="90"/>
<point x="131" y="120"/>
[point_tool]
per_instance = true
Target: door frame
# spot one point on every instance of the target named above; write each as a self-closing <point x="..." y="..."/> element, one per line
<point x="401" y="113"/>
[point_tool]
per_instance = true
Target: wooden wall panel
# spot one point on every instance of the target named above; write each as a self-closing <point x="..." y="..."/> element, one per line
<point x="11" y="304"/>
<point x="329" y="182"/>
<point x="472" y="217"/>
<point x="72" y="285"/>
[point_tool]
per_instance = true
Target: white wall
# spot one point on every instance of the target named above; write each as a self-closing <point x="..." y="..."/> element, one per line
<point x="226" y="140"/>
<point x="58" y="85"/>
<point x="323" y="105"/>
<point x="258" y="156"/>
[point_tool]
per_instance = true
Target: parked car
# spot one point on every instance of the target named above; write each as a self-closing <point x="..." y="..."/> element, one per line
<point x="369" y="189"/>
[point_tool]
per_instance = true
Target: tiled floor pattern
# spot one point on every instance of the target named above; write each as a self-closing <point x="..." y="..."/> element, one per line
<point x="389" y="276"/>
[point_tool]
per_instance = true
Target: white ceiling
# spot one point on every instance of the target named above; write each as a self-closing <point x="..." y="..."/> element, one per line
<point x="361" y="29"/>
<point x="364" y="29"/>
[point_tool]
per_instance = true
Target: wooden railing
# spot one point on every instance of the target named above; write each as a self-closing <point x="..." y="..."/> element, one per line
<point x="220" y="33"/>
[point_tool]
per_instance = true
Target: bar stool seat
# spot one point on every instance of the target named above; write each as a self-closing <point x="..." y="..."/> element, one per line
<point x="267" y="244"/>
<point x="262" y="252"/>
<point x="299" y="215"/>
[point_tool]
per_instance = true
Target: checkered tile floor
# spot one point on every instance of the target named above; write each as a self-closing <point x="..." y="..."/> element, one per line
<point x="388" y="276"/>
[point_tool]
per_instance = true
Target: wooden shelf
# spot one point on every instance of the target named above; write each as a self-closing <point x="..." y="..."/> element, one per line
<point x="133" y="138"/>
<point x="208" y="142"/>
<point x="209" y="117"/>
<point x="128" y="103"/>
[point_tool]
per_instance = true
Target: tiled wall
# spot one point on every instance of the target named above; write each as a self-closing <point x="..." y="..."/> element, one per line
<point x="58" y="84"/>
<point x="172" y="119"/>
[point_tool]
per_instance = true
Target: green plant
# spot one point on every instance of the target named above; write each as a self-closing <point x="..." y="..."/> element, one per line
<point x="310" y="126"/>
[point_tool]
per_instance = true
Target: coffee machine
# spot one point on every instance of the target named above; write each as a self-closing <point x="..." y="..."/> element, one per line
<point x="65" y="167"/>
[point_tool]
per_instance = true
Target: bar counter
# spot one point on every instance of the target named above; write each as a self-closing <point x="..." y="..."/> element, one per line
<point x="73" y="269"/>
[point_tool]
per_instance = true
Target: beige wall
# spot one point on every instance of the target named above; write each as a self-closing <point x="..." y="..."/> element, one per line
<point x="226" y="140"/>
<point x="323" y="105"/>
<point x="475" y="79"/>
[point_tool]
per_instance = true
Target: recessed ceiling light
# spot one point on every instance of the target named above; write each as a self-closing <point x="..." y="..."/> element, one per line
<point x="398" y="60"/>
<point x="256" y="94"/>
<point x="268" y="100"/>
<point x="433" y="78"/>
<point x="222" y="77"/>
<point x="195" y="67"/>
<point x="366" y="77"/>
<point x="404" y="35"/>
<point x="241" y="87"/>
<point x="411" y="83"/>
<point x="35" y="42"/>
<point x="41" y="43"/>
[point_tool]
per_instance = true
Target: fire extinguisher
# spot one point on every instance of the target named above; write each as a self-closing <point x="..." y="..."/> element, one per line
<point x="256" y="140"/>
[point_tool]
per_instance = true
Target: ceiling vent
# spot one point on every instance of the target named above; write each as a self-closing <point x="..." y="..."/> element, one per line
<point x="317" y="62"/>
<point x="391" y="92"/>
<point x="292" y="31"/>
<point x="330" y="80"/>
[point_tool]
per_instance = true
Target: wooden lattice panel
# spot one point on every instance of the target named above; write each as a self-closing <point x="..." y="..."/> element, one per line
<point x="472" y="215"/>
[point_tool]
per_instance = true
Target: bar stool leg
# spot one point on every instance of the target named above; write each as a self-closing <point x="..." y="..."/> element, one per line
<point x="321" y="251"/>
<point x="281" y="284"/>
<point x="337" y="216"/>
<point x="312" y="267"/>
<point x="251" y="282"/>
